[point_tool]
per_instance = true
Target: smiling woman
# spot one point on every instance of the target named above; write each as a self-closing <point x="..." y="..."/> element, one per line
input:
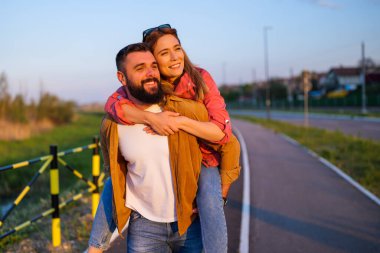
<point x="170" y="57"/>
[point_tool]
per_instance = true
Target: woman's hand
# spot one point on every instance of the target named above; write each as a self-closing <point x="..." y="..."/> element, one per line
<point x="162" y="123"/>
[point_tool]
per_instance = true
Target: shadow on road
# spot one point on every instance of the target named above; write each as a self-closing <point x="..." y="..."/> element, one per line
<point x="322" y="234"/>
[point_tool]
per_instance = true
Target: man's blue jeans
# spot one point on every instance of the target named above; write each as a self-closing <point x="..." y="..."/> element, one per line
<point x="210" y="207"/>
<point x="146" y="236"/>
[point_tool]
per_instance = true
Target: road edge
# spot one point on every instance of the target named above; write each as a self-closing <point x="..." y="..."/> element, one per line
<point x="334" y="168"/>
<point x="245" y="212"/>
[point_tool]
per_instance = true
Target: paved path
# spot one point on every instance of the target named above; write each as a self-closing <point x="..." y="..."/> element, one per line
<point x="297" y="204"/>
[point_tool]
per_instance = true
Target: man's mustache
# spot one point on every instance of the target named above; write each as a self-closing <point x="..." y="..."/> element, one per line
<point x="150" y="80"/>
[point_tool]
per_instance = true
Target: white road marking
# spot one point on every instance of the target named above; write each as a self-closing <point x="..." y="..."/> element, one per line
<point x="245" y="212"/>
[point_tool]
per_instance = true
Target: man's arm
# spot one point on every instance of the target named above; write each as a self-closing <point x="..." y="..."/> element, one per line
<point x="104" y="144"/>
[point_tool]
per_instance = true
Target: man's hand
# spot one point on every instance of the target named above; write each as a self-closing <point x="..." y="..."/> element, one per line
<point x="162" y="123"/>
<point x="225" y="189"/>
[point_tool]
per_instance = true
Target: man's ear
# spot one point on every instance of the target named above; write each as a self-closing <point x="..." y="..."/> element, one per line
<point x="122" y="79"/>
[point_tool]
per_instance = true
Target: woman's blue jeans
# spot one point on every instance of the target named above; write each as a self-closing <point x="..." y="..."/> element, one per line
<point x="103" y="225"/>
<point x="210" y="208"/>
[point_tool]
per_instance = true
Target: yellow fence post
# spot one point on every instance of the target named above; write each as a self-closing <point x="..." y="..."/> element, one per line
<point x="95" y="175"/>
<point x="54" y="191"/>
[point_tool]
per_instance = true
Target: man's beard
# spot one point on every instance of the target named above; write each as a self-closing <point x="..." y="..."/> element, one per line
<point x="139" y="92"/>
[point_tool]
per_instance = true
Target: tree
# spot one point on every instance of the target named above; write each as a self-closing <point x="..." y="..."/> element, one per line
<point x="18" y="110"/>
<point x="278" y="90"/>
<point x="5" y="97"/>
<point x="229" y="94"/>
<point x="58" y="111"/>
<point x="368" y="63"/>
<point x="247" y="90"/>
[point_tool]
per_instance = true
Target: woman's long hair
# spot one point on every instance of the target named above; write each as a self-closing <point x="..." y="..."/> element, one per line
<point x="200" y="87"/>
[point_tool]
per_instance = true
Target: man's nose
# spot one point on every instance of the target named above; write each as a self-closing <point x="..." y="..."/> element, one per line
<point x="150" y="72"/>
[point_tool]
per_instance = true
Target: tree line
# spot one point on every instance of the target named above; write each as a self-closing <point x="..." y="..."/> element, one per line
<point x="15" y="109"/>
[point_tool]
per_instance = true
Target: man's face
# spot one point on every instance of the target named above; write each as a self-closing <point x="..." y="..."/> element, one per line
<point x="143" y="77"/>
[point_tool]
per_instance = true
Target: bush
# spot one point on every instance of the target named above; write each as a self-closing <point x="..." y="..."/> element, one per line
<point x="52" y="108"/>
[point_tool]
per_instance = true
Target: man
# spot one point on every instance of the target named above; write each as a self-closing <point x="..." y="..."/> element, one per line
<point x="148" y="186"/>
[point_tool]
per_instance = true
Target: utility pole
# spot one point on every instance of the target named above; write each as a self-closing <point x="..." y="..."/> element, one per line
<point x="364" y="98"/>
<point x="290" y="88"/>
<point x="267" y="90"/>
<point x="306" y="82"/>
<point x="254" y="95"/>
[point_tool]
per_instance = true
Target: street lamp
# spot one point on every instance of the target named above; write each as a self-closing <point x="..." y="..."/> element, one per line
<point x="267" y="90"/>
<point x="364" y="98"/>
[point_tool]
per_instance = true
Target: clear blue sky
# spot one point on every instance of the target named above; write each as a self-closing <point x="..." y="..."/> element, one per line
<point x="69" y="46"/>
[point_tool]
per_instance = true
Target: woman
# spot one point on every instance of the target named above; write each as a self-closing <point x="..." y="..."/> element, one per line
<point x="192" y="83"/>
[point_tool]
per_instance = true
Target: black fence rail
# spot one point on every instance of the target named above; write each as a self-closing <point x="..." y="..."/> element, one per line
<point x="53" y="160"/>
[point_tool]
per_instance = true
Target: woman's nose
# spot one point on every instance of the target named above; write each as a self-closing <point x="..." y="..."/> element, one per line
<point x="173" y="56"/>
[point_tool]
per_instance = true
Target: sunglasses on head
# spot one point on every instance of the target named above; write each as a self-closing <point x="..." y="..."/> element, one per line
<point x="147" y="32"/>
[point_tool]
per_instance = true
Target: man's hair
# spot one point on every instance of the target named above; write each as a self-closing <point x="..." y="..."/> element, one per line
<point x="123" y="53"/>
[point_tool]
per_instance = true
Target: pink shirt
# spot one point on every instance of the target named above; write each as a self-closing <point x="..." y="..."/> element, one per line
<point x="185" y="88"/>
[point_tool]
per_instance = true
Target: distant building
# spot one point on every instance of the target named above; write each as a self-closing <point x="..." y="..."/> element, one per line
<point x="373" y="76"/>
<point x="341" y="79"/>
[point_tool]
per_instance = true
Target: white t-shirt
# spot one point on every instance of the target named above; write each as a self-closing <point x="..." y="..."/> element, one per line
<point x="149" y="180"/>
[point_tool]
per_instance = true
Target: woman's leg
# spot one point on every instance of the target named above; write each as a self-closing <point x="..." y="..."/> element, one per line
<point x="103" y="225"/>
<point x="211" y="213"/>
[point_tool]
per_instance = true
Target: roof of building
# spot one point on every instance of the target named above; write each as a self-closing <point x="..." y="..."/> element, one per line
<point x="341" y="71"/>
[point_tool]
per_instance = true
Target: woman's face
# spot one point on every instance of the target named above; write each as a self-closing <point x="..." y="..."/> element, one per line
<point x="169" y="56"/>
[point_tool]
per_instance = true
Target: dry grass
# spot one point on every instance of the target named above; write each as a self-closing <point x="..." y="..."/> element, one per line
<point x="76" y="223"/>
<point x="16" y="131"/>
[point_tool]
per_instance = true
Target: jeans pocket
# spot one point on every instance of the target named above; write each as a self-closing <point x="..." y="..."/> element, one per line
<point x="134" y="216"/>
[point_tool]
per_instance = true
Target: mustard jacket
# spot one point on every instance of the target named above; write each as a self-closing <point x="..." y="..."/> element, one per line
<point x="185" y="162"/>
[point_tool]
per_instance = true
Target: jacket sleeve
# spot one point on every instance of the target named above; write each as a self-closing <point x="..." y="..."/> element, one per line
<point x="216" y="107"/>
<point x="189" y="108"/>
<point x="104" y="144"/>
<point x="113" y="106"/>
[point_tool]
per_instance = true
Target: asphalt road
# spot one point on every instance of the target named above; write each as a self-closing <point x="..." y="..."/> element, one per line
<point x="368" y="128"/>
<point x="297" y="204"/>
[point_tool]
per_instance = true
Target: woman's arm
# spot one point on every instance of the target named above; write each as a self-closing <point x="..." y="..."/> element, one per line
<point x="205" y="130"/>
<point x="123" y="111"/>
<point x="216" y="107"/>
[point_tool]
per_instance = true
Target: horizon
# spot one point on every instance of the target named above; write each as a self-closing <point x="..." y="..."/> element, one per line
<point x="68" y="48"/>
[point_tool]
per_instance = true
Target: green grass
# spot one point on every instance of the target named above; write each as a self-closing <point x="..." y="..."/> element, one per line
<point x="344" y="112"/>
<point x="79" y="133"/>
<point x="350" y="112"/>
<point x="76" y="134"/>
<point x="358" y="157"/>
